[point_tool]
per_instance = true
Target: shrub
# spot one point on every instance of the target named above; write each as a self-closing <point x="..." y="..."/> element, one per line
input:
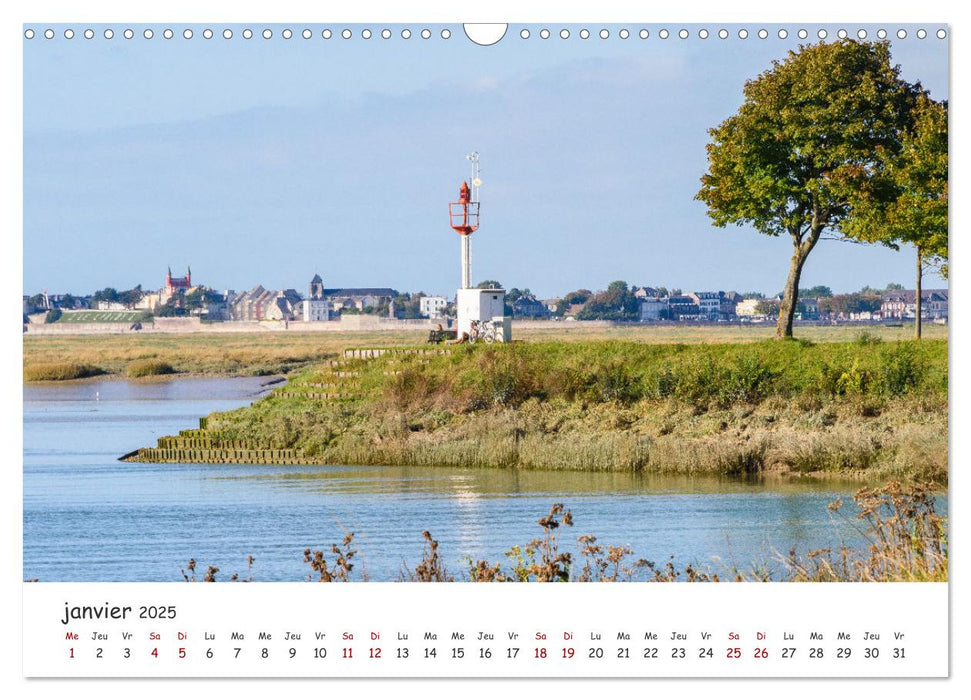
<point x="853" y="381"/>
<point x="148" y="368"/>
<point x="868" y="338"/>
<point x="901" y="370"/>
<point x="505" y="378"/>
<point x="59" y="371"/>
<point x="410" y="387"/>
<point x="614" y="382"/>
<point x="665" y="383"/>
<point x="748" y="380"/>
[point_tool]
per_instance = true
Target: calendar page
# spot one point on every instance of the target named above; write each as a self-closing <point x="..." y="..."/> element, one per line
<point x="393" y="347"/>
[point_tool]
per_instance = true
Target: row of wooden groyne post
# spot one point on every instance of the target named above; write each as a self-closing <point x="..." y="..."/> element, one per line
<point x="198" y="445"/>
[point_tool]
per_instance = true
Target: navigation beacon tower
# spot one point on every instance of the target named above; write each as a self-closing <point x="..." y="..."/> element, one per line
<point x="476" y="309"/>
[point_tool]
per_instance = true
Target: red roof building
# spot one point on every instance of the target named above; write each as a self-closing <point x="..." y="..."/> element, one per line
<point x="174" y="284"/>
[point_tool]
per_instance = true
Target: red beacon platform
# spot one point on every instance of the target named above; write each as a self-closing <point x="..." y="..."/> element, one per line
<point x="464" y="214"/>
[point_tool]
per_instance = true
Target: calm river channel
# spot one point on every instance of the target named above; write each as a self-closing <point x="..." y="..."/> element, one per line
<point x="89" y="517"/>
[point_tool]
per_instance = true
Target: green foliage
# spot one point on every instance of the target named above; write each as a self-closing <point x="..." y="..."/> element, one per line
<point x="768" y="307"/>
<point x="801" y="142"/>
<point x="902" y="369"/>
<point x="854" y="380"/>
<point x="615" y="382"/>
<point x="579" y="296"/>
<point x="849" y="407"/>
<point x="817" y="292"/>
<point x="616" y="303"/>
<point x="812" y="132"/>
<point x="36" y="303"/>
<point x="849" y="303"/>
<point x="504" y="378"/>
<point x="747" y="380"/>
<point x="907" y="201"/>
<point x="53" y="316"/>
<point x="132" y="296"/>
<point x="868" y="338"/>
<point x="702" y="376"/>
<point x="109" y="294"/>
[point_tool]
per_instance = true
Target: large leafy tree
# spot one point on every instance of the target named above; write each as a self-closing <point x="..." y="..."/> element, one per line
<point x="915" y="212"/>
<point x="811" y="130"/>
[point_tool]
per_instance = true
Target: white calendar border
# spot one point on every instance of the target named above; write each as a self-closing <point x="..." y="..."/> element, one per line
<point x="441" y="11"/>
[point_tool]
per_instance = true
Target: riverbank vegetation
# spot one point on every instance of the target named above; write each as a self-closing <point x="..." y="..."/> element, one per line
<point x="863" y="410"/>
<point x="59" y="371"/>
<point x="148" y="368"/>
<point x="285" y="352"/>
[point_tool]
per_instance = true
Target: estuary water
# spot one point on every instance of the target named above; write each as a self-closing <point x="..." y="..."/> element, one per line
<point x="89" y="517"/>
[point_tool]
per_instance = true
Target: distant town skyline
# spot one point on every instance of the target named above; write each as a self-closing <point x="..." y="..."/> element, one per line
<point x="266" y="161"/>
<point x="301" y="287"/>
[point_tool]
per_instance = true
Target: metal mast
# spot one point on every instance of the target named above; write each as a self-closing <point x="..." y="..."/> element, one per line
<point x="466" y="240"/>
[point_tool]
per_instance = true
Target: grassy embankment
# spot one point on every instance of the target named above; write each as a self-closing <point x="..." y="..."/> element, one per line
<point x="59" y="357"/>
<point x="227" y="354"/>
<point x="865" y="410"/>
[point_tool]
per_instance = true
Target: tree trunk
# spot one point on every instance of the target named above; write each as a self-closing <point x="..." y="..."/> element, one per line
<point x="917" y="292"/>
<point x="787" y="309"/>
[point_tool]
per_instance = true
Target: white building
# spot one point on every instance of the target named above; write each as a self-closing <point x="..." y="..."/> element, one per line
<point x="654" y="308"/>
<point x="903" y="304"/>
<point x="480" y="305"/>
<point x="315" y="307"/>
<point x="432" y="307"/>
<point x="709" y="304"/>
<point x="747" y="307"/>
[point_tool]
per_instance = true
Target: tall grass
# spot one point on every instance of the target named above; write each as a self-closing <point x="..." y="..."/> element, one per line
<point x="861" y="410"/>
<point x="700" y="375"/>
<point x="906" y="540"/>
<point x="285" y="352"/>
<point x="236" y="354"/>
<point x="59" y="371"/>
<point x="148" y="368"/>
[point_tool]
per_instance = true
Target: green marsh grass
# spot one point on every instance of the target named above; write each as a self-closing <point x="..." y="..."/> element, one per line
<point x="863" y="410"/>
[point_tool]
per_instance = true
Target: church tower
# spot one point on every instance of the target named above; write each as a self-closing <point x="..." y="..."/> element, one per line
<point x="315" y="306"/>
<point x="316" y="288"/>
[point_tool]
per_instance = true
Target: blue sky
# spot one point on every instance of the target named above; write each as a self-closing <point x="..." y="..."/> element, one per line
<point x="265" y="161"/>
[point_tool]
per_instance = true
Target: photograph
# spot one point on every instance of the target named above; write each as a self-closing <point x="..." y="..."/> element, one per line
<point x="549" y="303"/>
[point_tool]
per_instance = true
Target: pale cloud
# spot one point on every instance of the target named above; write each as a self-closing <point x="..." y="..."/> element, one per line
<point x="485" y="82"/>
